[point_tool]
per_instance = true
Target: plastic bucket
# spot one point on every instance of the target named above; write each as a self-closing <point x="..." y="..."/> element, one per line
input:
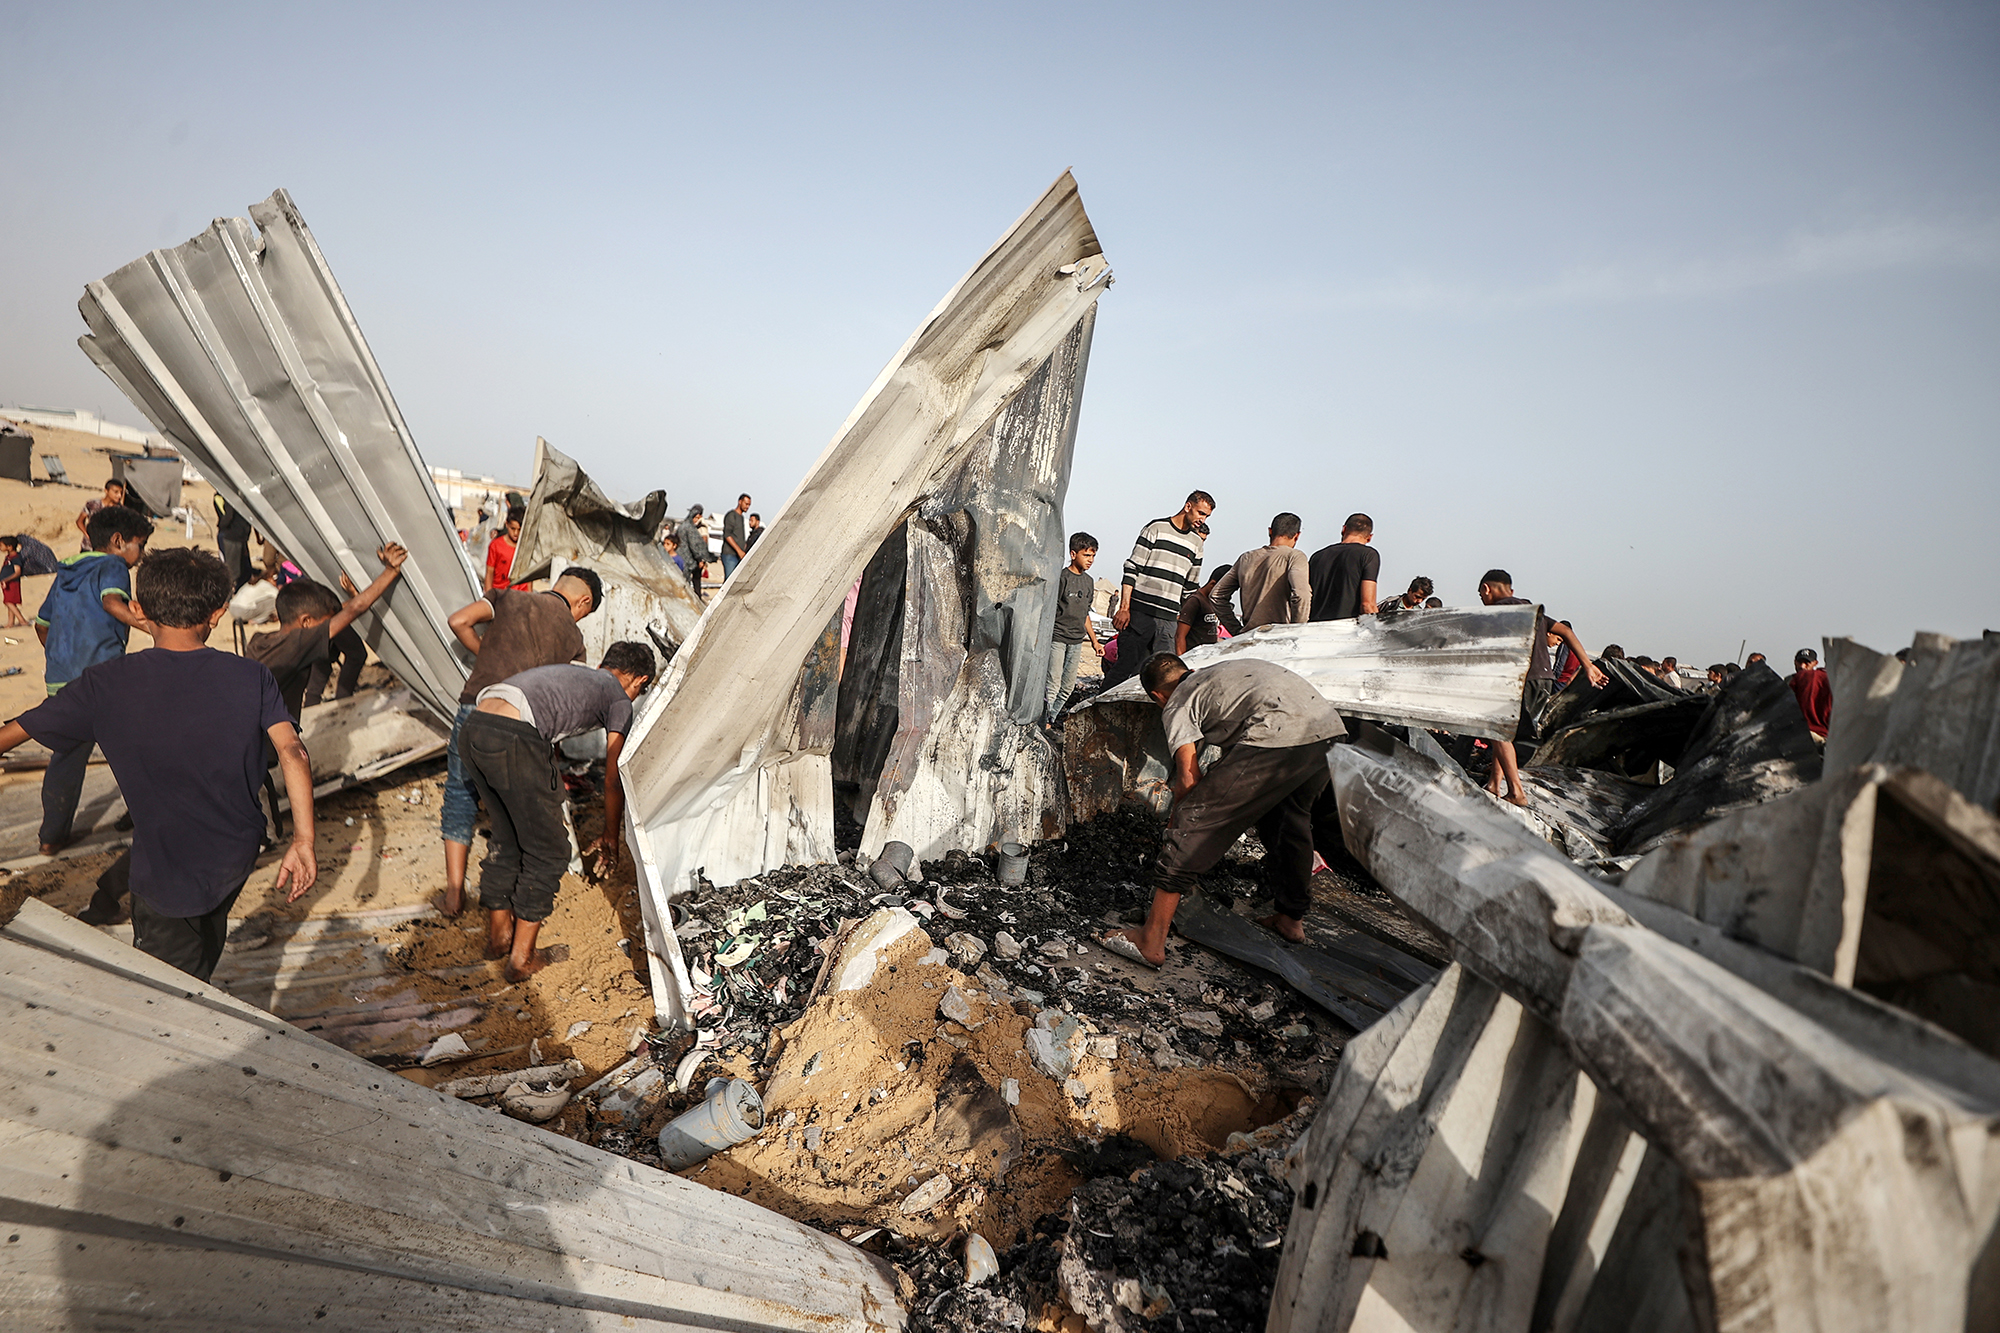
<point x="889" y="868"/>
<point x="1013" y="863"/>
<point x="732" y="1113"/>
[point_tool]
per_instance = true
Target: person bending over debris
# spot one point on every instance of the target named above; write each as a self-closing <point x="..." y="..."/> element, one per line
<point x="1074" y="591"/>
<point x="1164" y="567"/>
<point x="310" y="615"/>
<point x="1814" y="692"/>
<point x="508" y="746"/>
<point x="1204" y="616"/>
<point x="523" y="630"/>
<point x="1273" y="728"/>
<point x="184" y="728"/>
<point x="1273" y="580"/>
<point x="1496" y="588"/>
<point x="86" y="618"/>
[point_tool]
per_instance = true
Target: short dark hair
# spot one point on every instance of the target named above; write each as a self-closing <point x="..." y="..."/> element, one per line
<point x="633" y="658"/>
<point x="1200" y="497"/>
<point x="1434" y="601"/>
<point x="1499" y="576"/>
<point x="304" y="597"/>
<point x="119" y="482"/>
<point x="11" y="540"/>
<point x="1218" y="572"/>
<point x="759" y="517"/>
<point x="588" y="578"/>
<point x="1285" y="525"/>
<point x="1081" y="541"/>
<point x="181" y="587"/>
<point x="1614" y="652"/>
<point x="1161" y="669"/>
<point x="1754" y="657"/>
<point x="743" y="497"/>
<point x="117" y="521"/>
<point x="1358" y="523"/>
<point x="1422" y="586"/>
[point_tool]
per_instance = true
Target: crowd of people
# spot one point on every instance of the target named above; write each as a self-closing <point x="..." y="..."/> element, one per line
<point x="690" y="542"/>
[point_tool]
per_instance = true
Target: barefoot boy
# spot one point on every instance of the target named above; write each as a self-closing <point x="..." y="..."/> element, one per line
<point x="184" y="728"/>
<point x="1074" y="590"/>
<point x="1273" y="728"/>
<point x="1496" y="588"/>
<point x="508" y="748"/>
<point x="86" y="618"/>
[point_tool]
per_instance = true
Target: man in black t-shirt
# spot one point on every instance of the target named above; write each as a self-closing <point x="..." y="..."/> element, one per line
<point x="1496" y="588"/>
<point x="1343" y="575"/>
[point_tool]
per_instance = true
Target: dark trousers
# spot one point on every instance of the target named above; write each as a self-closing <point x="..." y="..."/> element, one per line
<point x="236" y="559"/>
<point x="1144" y="634"/>
<point x="62" y="788"/>
<point x="515" y="772"/>
<point x="1273" y="790"/>
<point x="352" y="655"/>
<point x="191" y="943"/>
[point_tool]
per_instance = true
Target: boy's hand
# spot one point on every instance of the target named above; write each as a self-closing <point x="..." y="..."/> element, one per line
<point x="299" y="869"/>
<point x="392" y="555"/>
<point x="347" y="584"/>
<point x="606" y="850"/>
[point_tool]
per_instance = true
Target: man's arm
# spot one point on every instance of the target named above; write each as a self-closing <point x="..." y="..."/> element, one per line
<point x="392" y="557"/>
<point x="614" y="805"/>
<point x="463" y="619"/>
<point x="11" y="735"/>
<point x="299" y="868"/>
<point x="1299" y="598"/>
<point x="1180" y="637"/>
<point x="1368" y="607"/>
<point x="1186" y="771"/>
<point x="1591" y="670"/>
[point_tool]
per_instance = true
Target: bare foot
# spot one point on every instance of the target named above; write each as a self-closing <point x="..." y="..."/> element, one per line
<point x="495" y="952"/>
<point x="537" y="959"/>
<point x="1516" y="799"/>
<point x="1285" y="927"/>
<point x="1155" y="955"/>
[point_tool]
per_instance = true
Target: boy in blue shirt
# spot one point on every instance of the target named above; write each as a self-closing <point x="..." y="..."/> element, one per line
<point x="184" y="728"/>
<point x="85" y="619"/>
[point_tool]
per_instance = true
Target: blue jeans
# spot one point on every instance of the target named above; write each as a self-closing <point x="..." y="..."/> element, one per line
<point x="461" y="798"/>
<point x="1063" y="660"/>
<point x="730" y="561"/>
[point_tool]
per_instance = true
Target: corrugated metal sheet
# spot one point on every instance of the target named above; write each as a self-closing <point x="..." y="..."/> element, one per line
<point x="1456" y="669"/>
<point x="180" y="1160"/>
<point x="711" y="770"/>
<point x="241" y="349"/>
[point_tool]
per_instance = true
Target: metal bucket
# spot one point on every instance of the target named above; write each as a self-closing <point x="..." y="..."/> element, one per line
<point x="732" y="1113"/>
<point x="892" y="865"/>
<point x="1013" y="863"/>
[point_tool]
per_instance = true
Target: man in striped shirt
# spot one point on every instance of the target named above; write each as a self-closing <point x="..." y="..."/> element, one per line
<point x="1165" y="566"/>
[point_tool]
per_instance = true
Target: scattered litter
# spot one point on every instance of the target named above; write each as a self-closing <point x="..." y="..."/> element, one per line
<point x="485" y="1085"/>
<point x="534" y="1103"/>
<point x="577" y="1029"/>
<point x="450" y="1046"/>
<point x="980" y="1261"/>
<point x="927" y="1195"/>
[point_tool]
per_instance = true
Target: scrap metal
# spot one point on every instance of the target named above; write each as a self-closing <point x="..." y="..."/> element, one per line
<point x="727" y="772"/>
<point x="241" y="349"/>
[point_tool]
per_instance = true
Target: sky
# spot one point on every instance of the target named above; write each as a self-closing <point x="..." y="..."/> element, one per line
<point x="1688" y="316"/>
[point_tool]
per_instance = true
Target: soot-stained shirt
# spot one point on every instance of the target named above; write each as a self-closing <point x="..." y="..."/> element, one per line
<point x="290" y="656"/>
<point x="1073" y="594"/>
<point x="528" y="629"/>
<point x="567" y="701"/>
<point x="1248" y="702"/>
<point x="185" y="735"/>
<point x="1337" y="573"/>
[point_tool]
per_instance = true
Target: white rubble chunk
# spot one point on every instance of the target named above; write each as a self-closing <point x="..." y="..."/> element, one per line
<point x="957" y="1006"/>
<point x="1203" y="1020"/>
<point x="450" y="1046"/>
<point x="855" y="967"/>
<point x="968" y="949"/>
<point x="1006" y="947"/>
<point x="927" y="1195"/>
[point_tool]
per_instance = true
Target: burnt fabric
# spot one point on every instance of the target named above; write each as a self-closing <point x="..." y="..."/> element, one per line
<point x="1271" y="790"/>
<point x="522" y="789"/>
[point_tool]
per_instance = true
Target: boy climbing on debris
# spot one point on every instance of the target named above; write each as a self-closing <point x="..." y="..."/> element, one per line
<point x="86" y="618"/>
<point x="310" y="616"/>
<point x="184" y="728"/>
<point x="523" y="630"/>
<point x="508" y="747"/>
<point x="1273" y="728"/>
<point x="1496" y="588"/>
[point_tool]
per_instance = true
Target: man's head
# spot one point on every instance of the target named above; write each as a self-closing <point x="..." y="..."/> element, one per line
<point x="1718" y="673"/>
<point x="1495" y="585"/>
<point x="182" y="588"/>
<point x="119" y="531"/>
<point x="1358" y="528"/>
<point x="1082" y="551"/>
<point x="1420" y="588"/>
<point x="304" y="603"/>
<point x="696" y="512"/>
<point x="632" y="663"/>
<point x="1804" y="659"/>
<point x="756" y="522"/>
<point x="743" y="503"/>
<point x="514" y="517"/>
<point x="1433" y="603"/>
<point x="1161" y="676"/>
<point x="114" y="492"/>
<point x="1753" y="659"/>
<point x="1670" y="664"/>
<point x="582" y="589"/>
<point x="1285" y="530"/>
<point x="1215" y="576"/>
<point x="1612" y="650"/>
<point x="1195" y="511"/>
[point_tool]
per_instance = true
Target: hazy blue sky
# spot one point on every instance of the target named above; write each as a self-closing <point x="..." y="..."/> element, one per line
<point x="1689" y="315"/>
